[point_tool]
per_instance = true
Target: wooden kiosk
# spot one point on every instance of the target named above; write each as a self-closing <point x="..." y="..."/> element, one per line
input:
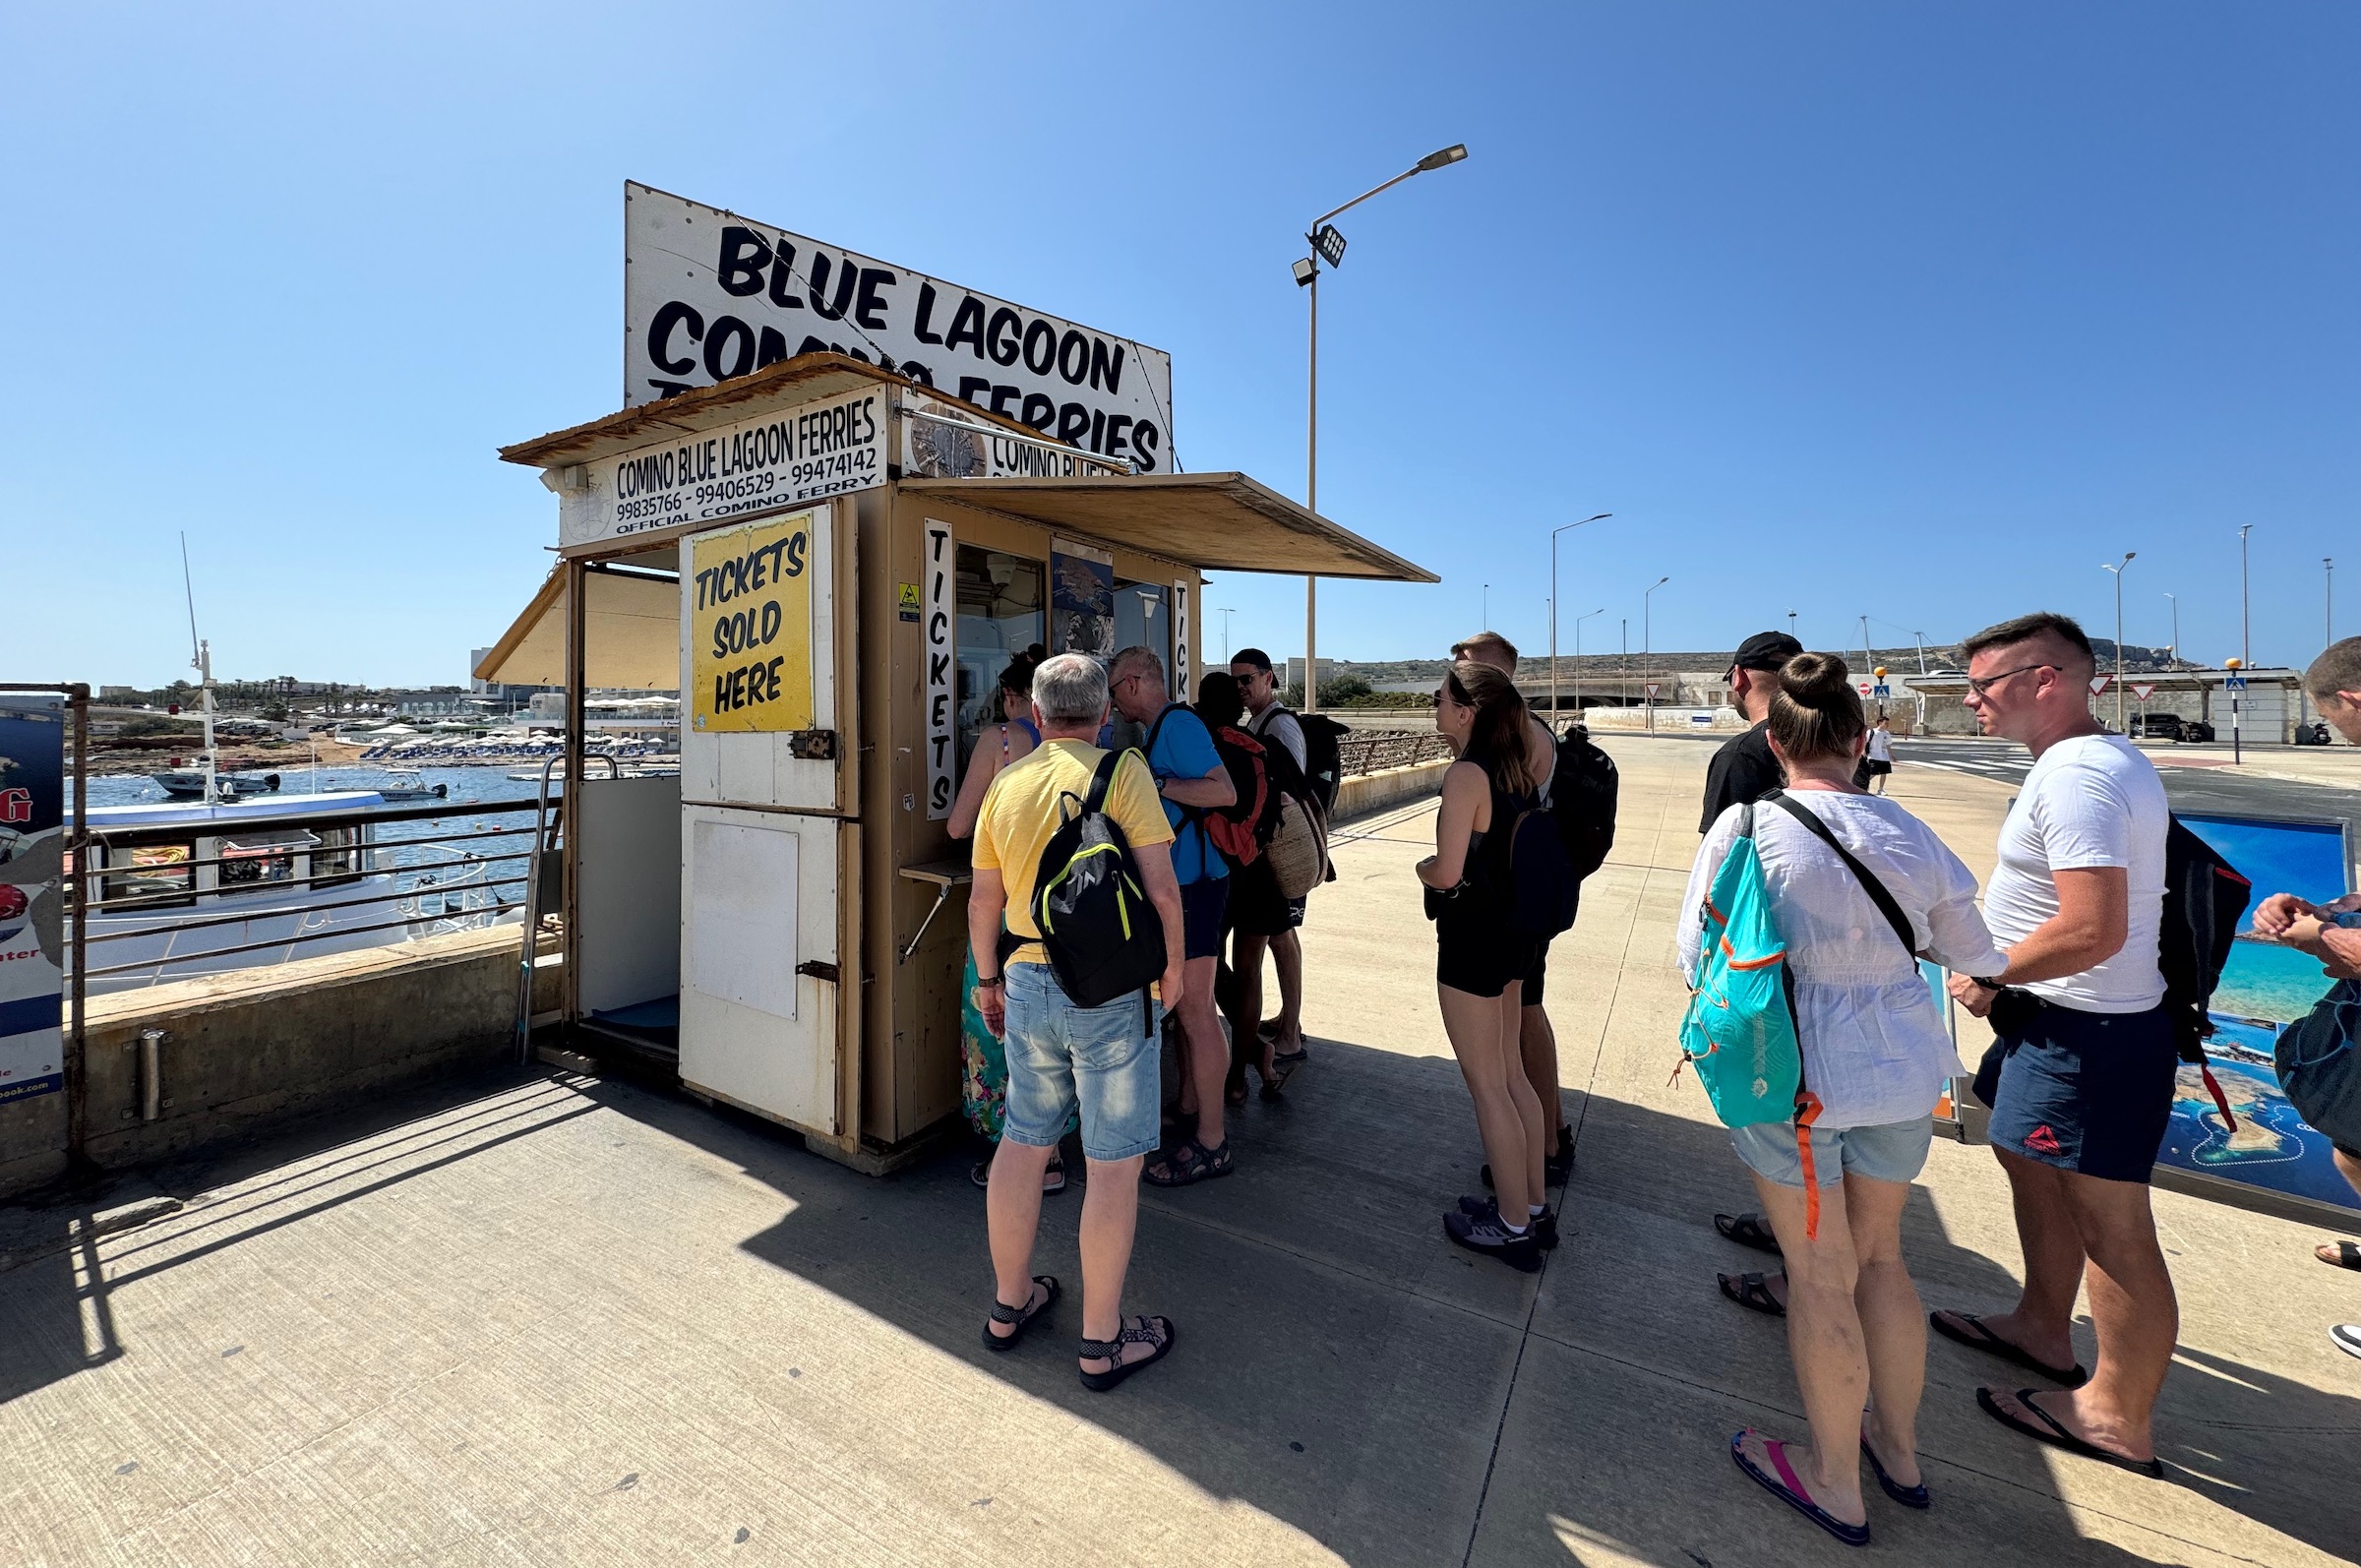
<point x="848" y="558"/>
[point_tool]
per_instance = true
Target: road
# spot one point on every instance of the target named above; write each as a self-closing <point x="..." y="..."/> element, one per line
<point x="2197" y="789"/>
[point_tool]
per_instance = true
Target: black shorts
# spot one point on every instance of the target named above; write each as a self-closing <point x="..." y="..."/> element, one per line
<point x="1201" y="904"/>
<point x="1878" y="770"/>
<point x="1256" y="907"/>
<point x="2087" y="1092"/>
<point x="1537" y="975"/>
<point x="1479" y="955"/>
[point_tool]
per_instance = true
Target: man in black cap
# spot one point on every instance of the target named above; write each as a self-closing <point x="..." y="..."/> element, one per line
<point x="1744" y="770"/>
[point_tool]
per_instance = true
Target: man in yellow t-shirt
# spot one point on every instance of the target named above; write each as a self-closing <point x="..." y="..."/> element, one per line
<point x="1102" y="1060"/>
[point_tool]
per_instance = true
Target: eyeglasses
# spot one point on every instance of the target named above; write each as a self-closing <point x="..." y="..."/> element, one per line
<point x="1983" y="687"/>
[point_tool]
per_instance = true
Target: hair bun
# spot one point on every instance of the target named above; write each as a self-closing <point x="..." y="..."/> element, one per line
<point x="1813" y="678"/>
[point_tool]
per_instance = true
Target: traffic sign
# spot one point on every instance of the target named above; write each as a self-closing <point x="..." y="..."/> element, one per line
<point x="1654" y="686"/>
<point x="2143" y="692"/>
<point x="1865" y="688"/>
<point x="2098" y="683"/>
<point x="2236" y="682"/>
<point x="1883" y="690"/>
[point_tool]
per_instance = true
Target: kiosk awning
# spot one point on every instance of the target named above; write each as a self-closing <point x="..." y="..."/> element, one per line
<point x="632" y="642"/>
<point x="1215" y="521"/>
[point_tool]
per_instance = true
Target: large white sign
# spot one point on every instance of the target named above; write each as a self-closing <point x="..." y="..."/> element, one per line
<point x="781" y="460"/>
<point x="708" y="295"/>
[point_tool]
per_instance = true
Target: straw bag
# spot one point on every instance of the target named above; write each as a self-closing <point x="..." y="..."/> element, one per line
<point x="1297" y="853"/>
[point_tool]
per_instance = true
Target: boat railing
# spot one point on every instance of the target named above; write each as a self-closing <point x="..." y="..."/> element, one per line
<point x="401" y="858"/>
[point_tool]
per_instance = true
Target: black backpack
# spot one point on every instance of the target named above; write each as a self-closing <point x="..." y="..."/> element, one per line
<point x="2204" y="907"/>
<point x="1583" y="791"/>
<point x="1103" y="936"/>
<point x="1542" y="890"/>
<point x="1323" y="762"/>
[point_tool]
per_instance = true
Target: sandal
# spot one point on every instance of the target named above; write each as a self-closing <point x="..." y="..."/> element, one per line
<point x="1234" y="1087"/>
<point x="1909" y="1496"/>
<point x="1052" y="1178"/>
<point x="1747" y="1230"/>
<point x="2053" y="1432"/>
<point x="1021" y="1316"/>
<point x="1787" y="1487"/>
<point x="1189" y="1162"/>
<point x="1751" y="1291"/>
<point x="1977" y="1337"/>
<point x="1141" y="1330"/>
<point x="2348" y="1256"/>
<point x="1275" y="1080"/>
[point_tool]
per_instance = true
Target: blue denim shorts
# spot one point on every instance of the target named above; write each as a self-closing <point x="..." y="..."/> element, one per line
<point x="1101" y="1060"/>
<point x="1895" y="1151"/>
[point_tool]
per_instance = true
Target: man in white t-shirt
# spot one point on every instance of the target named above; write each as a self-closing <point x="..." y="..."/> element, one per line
<point x="2086" y="1087"/>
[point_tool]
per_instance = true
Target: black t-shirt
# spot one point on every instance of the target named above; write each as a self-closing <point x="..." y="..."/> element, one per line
<point x="1743" y="770"/>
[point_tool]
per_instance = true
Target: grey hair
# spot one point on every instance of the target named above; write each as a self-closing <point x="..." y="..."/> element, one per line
<point x="1070" y="689"/>
<point x="1138" y="654"/>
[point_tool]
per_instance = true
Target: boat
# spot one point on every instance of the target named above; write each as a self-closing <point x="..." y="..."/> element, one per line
<point x="189" y="784"/>
<point x="411" y="785"/>
<point x="207" y="889"/>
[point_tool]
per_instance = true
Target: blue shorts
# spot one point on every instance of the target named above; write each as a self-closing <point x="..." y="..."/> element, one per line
<point x="2087" y="1092"/>
<point x="1101" y="1060"/>
<point x="1895" y="1151"/>
<point x="1201" y="905"/>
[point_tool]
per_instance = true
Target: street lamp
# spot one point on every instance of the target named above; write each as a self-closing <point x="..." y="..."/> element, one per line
<point x="1554" y="533"/>
<point x="1578" y="621"/>
<point x="2117" y="568"/>
<point x="1483" y="616"/>
<point x="2176" y="628"/>
<point x="2327" y="566"/>
<point x="1791" y="623"/>
<point x="1327" y="245"/>
<point x="1226" y="612"/>
<point x="1648" y="644"/>
<point x="2246" y="650"/>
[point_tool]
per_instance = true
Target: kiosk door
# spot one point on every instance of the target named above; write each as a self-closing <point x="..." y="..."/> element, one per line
<point x="763" y="835"/>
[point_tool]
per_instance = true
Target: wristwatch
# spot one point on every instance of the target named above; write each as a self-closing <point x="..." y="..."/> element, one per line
<point x="1988" y="985"/>
<point x="991" y="980"/>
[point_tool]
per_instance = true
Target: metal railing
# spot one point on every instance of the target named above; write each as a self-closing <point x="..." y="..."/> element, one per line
<point x="1370" y="751"/>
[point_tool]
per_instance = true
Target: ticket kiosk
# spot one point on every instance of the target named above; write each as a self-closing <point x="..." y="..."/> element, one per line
<point x="851" y="558"/>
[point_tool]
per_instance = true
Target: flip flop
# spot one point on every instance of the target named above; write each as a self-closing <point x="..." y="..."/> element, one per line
<point x="1977" y="1337"/>
<point x="1022" y="1317"/>
<point x="1909" y="1496"/>
<point x="1788" y="1489"/>
<point x="1747" y="1231"/>
<point x="1751" y="1291"/>
<point x="2053" y="1432"/>
<point x="2348" y="1256"/>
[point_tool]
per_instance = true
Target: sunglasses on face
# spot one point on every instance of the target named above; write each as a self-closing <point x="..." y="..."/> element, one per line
<point x="1983" y="687"/>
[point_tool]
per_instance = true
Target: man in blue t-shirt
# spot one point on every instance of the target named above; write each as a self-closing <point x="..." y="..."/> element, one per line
<point x="1192" y="779"/>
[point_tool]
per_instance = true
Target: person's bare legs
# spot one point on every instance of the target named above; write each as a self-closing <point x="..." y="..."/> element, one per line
<point x="1892" y="1323"/>
<point x="2350" y="1169"/>
<point x="2041" y="1323"/>
<point x="1012" y="1217"/>
<point x="1825" y="1339"/>
<point x="1246" y="1042"/>
<point x="1208" y="1051"/>
<point x="1483" y="1037"/>
<point x="2134" y="1309"/>
<point x="1110" y="1220"/>
<point x="1286" y="955"/>
<point x="1537" y="1048"/>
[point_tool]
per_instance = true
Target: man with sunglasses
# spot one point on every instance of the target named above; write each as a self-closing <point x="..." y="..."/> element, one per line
<point x="2089" y="1060"/>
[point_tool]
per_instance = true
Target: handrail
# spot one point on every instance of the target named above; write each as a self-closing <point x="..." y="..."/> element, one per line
<point x="373" y="846"/>
<point x="250" y="913"/>
<point x="391" y="813"/>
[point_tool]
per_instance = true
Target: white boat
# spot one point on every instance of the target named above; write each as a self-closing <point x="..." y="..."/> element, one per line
<point x="189" y="783"/>
<point x="228" y="889"/>
<point x="411" y="785"/>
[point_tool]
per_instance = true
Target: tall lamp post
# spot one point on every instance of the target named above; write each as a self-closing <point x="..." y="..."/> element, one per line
<point x="1578" y="667"/>
<point x="1225" y="613"/>
<point x="2246" y="650"/>
<point x="2327" y="566"/>
<point x="2176" y="628"/>
<point x="1327" y="245"/>
<point x="1648" y="644"/>
<point x="1554" y="533"/>
<point x="2117" y="568"/>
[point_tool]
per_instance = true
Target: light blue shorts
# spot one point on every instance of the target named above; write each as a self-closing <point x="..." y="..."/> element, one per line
<point x="1104" y="1060"/>
<point x="1895" y="1151"/>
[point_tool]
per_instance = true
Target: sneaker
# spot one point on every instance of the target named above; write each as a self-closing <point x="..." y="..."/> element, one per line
<point x="1544" y="1226"/>
<point x="2347" y="1337"/>
<point x="1485" y="1234"/>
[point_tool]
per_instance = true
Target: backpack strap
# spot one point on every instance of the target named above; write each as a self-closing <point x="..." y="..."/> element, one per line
<point x="1876" y="889"/>
<point x="1100" y="781"/>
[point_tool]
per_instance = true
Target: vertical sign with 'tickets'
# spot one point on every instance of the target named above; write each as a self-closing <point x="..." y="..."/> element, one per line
<point x="936" y="632"/>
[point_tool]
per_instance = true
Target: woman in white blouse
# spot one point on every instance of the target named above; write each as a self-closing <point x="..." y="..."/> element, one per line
<point x="1877" y="1055"/>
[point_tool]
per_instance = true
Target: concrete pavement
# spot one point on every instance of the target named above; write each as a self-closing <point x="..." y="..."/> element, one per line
<point x="564" y="1320"/>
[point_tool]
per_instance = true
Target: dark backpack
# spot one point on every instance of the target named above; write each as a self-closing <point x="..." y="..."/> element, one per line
<point x="1103" y="936"/>
<point x="2204" y="906"/>
<point x="1542" y="888"/>
<point x="1323" y="762"/>
<point x="1583" y="791"/>
<point x="1240" y="831"/>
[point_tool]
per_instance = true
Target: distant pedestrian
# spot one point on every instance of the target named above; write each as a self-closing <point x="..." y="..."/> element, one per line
<point x="1537" y="1041"/>
<point x="1261" y="926"/>
<point x="1100" y="1064"/>
<point x="1192" y="779"/>
<point x="2089" y="1060"/>
<point x="1877" y="1055"/>
<point x="1744" y="769"/>
<point x="1481" y="960"/>
<point x="1880" y="756"/>
<point x="2322" y="1053"/>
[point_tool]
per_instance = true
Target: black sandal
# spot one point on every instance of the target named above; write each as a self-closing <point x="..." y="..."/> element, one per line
<point x="1189" y="1162"/>
<point x="1977" y="1337"/>
<point x="1751" y="1291"/>
<point x="1021" y="1316"/>
<point x="1140" y="1330"/>
<point x="1747" y="1230"/>
<point x="1052" y="1176"/>
<point x="2348" y="1256"/>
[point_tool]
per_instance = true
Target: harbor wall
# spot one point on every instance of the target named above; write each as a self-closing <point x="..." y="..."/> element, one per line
<point x="1358" y="794"/>
<point x="245" y="1050"/>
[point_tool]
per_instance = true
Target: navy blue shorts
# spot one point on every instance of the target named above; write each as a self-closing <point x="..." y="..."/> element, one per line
<point x="1201" y="905"/>
<point x="2087" y="1092"/>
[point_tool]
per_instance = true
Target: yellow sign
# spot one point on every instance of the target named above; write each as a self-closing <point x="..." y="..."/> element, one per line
<point x="751" y="628"/>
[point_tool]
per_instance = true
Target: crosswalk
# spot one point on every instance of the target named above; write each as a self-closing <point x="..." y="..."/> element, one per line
<point x="2005" y="766"/>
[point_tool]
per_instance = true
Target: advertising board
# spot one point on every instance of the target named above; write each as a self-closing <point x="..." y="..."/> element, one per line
<point x="749" y="631"/>
<point x="32" y="813"/>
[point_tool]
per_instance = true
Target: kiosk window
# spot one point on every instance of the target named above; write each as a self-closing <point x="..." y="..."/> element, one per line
<point x="1000" y="615"/>
<point x="260" y="860"/>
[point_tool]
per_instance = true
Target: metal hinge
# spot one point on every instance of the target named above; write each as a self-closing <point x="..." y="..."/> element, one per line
<point x="813" y="746"/>
<point x="819" y="969"/>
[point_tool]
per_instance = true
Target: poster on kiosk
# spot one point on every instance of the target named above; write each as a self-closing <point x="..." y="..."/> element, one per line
<point x="32" y="838"/>
<point x="762" y="829"/>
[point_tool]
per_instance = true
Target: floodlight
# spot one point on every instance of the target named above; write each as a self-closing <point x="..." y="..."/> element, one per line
<point x="1330" y="244"/>
<point x="1304" y="271"/>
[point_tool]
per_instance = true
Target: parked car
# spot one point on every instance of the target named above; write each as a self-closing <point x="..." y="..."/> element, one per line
<point x="2157" y="727"/>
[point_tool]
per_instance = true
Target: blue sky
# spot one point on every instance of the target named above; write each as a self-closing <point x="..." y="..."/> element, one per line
<point x="1915" y="311"/>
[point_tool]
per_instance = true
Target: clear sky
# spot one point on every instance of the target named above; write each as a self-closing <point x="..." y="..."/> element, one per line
<point x="1921" y="311"/>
